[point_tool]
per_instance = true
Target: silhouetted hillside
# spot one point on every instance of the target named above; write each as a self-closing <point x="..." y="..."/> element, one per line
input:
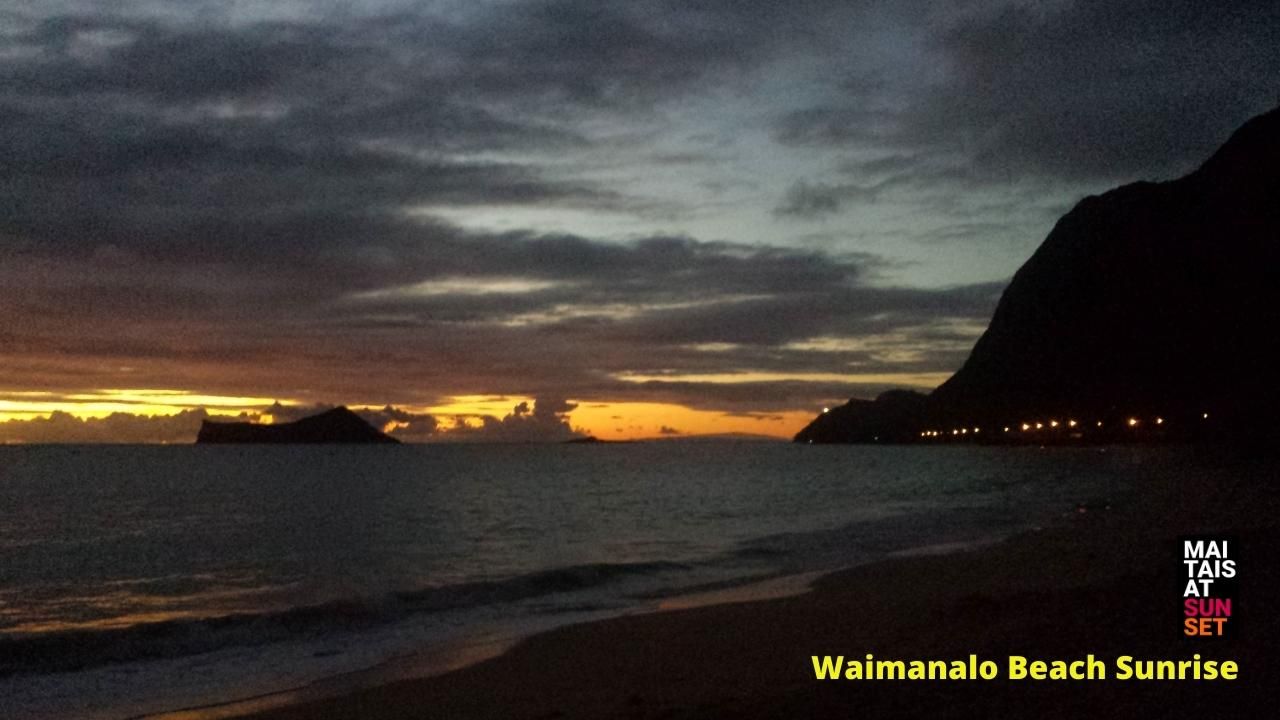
<point x="1151" y="301"/>
<point x="338" y="425"/>
<point x="894" y="416"/>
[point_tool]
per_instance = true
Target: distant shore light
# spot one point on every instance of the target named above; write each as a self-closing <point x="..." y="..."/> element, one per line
<point x="1025" y="427"/>
<point x="1205" y="416"/>
<point x="1039" y="426"/>
<point x="1006" y="428"/>
<point x="1071" y="423"/>
<point x="1159" y="421"/>
<point x="826" y="409"/>
<point x="1133" y="422"/>
<point x="1053" y="423"/>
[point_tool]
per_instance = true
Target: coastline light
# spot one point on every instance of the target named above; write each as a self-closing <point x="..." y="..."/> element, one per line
<point x="1071" y="423"/>
<point x="1159" y="421"/>
<point x="1039" y="426"/>
<point x="1053" y="423"/>
<point x="1006" y="428"/>
<point x="1099" y="423"/>
<point x="826" y="409"/>
<point x="1025" y="427"/>
<point x="977" y="429"/>
<point x="1133" y="422"/>
<point x="1205" y="416"/>
<point x="964" y="431"/>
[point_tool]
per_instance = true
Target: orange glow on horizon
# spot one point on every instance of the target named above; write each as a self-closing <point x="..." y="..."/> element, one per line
<point x="603" y="419"/>
<point x="642" y="420"/>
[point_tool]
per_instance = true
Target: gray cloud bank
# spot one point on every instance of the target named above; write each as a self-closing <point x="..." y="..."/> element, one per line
<point x="256" y="203"/>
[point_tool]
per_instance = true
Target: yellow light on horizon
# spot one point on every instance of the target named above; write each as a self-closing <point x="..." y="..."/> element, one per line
<point x="1025" y="427"/>
<point x="607" y="420"/>
<point x="1053" y="423"/>
<point x="1133" y="422"/>
<point x="1006" y="429"/>
<point x="1159" y="421"/>
<point x="1039" y="426"/>
<point x="1071" y="423"/>
<point x="639" y="420"/>
<point x="133" y="401"/>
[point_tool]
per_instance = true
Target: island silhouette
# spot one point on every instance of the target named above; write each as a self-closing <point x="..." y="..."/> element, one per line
<point x="1148" y="313"/>
<point x="339" y="425"/>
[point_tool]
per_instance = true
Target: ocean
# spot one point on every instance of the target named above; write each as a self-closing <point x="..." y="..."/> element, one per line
<point x="138" y="580"/>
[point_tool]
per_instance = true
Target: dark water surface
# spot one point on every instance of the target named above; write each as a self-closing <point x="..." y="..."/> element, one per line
<point x="137" y="579"/>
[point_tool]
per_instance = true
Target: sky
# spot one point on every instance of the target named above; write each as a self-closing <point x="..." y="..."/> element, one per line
<point x="524" y="220"/>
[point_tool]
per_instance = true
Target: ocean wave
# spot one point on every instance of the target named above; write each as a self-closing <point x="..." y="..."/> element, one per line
<point x="79" y="649"/>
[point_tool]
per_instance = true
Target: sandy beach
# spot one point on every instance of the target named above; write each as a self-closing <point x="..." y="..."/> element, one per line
<point x="1104" y="581"/>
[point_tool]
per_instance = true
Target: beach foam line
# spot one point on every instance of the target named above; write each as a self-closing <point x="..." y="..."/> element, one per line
<point x="437" y="660"/>
<point x="79" y="649"/>
<point x="493" y="642"/>
<point x="485" y="645"/>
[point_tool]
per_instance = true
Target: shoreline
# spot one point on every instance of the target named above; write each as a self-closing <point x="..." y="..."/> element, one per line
<point x="1098" y="583"/>
<point x="485" y="644"/>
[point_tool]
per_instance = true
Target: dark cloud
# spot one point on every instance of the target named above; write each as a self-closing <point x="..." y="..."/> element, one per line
<point x="1104" y="89"/>
<point x="352" y="206"/>
<point x="1075" y="90"/>
<point x="439" y="311"/>
<point x="228" y="135"/>
<point x="119" y="427"/>
<point x="547" y="420"/>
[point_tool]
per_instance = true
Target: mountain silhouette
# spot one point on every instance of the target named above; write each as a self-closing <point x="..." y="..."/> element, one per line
<point x="1155" y="302"/>
<point x="338" y="425"/>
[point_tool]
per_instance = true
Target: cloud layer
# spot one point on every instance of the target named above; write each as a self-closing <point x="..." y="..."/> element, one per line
<point x="745" y="207"/>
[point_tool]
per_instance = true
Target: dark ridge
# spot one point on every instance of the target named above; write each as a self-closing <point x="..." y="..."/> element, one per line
<point x="891" y="417"/>
<point x="338" y="425"/>
<point x="1151" y="301"/>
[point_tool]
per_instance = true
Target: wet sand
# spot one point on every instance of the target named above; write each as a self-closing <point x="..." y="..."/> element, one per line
<point x="1103" y="581"/>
